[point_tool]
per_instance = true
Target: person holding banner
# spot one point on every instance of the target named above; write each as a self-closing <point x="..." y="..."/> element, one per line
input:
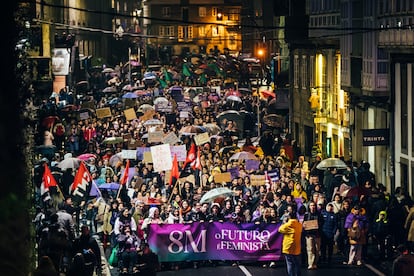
<point x="291" y="245"/>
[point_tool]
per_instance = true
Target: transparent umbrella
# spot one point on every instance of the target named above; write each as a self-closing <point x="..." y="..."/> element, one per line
<point x="331" y="163"/>
<point x="243" y="155"/>
<point x="69" y="163"/>
<point x="215" y="193"/>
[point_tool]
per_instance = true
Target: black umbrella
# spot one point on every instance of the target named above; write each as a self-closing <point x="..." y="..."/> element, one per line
<point x="273" y="120"/>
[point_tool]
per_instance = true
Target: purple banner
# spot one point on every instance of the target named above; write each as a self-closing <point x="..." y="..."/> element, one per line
<point x="215" y="241"/>
<point x="252" y="164"/>
<point x="234" y="172"/>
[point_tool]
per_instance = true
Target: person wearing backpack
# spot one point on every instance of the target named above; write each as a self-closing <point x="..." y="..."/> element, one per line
<point x="89" y="248"/>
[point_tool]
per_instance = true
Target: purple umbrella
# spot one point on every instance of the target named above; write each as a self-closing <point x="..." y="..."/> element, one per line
<point x="109" y="186"/>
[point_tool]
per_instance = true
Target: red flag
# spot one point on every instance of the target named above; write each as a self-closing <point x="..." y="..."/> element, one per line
<point x="124" y="178"/>
<point x="48" y="179"/>
<point x="191" y="156"/>
<point x="196" y="164"/>
<point x="175" y="173"/>
<point x="82" y="183"/>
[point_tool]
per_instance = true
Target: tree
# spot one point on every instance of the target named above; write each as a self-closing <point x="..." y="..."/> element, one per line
<point x="15" y="238"/>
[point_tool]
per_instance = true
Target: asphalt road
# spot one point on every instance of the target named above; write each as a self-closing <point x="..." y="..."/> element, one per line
<point x="256" y="269"/>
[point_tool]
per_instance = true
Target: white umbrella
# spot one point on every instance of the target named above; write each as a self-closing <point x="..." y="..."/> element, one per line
<point x="145" y="107"/>
<point x="69" y="163"/>
<point x="110" y="89"/>
<point x="243" y="155"/>
<point x="215" y="193"/>
<point x="108" y="70"/>
<point x="331" y="163"/>
<point x="212" y="129"/>
<point x="113" y="140"/>
<point x="233" y="98"/>
<point x="115" y="159"/>
<point x="161" y="101"/>
<point x="153" y="122"/>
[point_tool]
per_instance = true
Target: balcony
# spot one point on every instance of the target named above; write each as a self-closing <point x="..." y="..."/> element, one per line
<point x="403" y="38"/>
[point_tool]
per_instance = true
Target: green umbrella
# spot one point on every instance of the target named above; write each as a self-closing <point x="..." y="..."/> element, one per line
<point x="167" y="75"/>
<point x="186" y="70"/>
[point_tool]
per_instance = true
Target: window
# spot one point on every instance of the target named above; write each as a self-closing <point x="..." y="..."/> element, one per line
<point x="232" y="40"/>
<point x="166" y="11"/>
<point x="201" y="31"/>
<point x="296" y="72"/>
<point x="234" y="14"/>
<point x="215" y="31"/>
<point x="304" y="73"/>
<point x="382" y="61"/>
<point x="166" y="31"/>
<point x="312" y="71"/>
<point x="185" y="32"/>
<point x="214" y="12"/>
<point x="202" y="11"/>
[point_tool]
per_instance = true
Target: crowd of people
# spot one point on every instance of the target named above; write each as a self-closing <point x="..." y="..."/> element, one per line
<point x="340" y="211"/>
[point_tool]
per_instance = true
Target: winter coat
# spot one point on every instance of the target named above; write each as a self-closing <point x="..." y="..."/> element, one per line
<point x="313" y="216"/>
<point x="356" y="235"/>
<point x="381" y="226"/>
<point x="363" y="220"/>
<point x="329" y="223"/>
<point x="292" y="232"/>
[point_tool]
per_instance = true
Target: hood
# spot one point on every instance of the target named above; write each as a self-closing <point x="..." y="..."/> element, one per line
<point x="382" y="213"/>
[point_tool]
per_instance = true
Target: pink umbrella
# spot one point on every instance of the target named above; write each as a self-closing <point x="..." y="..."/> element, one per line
<point x="86" y="156"/>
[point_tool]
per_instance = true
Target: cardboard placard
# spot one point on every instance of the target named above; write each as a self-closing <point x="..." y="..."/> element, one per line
<point x="89" y="104"/>
<point x="184" y="114"/>
<point x="133" y="144"/>
<point x="180" y="151"/>
<point x="129" y="154"/>
<point x="130" y="114"/>
<point x="147" y="115"/>
<point x="155" y="136"/>
<point x="202" y="138"/>
<point x="84" y="115"/>
<point x="103" y="112"/>
<point x="257" y="179"/>
<point x="161" y="157"/>
<point x="147" y="157"/>
<point x="310" y="224"/>
<point x="170" y="138"/>
<point x="222" y="177"/>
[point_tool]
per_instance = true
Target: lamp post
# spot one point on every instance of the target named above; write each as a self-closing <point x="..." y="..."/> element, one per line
<point x="129" y="66"/>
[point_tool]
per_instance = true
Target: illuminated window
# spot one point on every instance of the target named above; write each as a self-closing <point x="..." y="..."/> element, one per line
<point x="202" y="31"/>
<point x="214" y="12"/>
<point x="202" y="11"/>
<point x="215" y="31"/>
<point x="234" y="14"/>
<point x="185" y="32"/>
<point x="166" y="31"/>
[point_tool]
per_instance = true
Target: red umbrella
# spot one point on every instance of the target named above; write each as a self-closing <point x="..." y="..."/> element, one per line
<point x="267" y="94"/>
<point x="49" y="121"/>
<point x="358" y="191"/>
<point x="233" y="93"/>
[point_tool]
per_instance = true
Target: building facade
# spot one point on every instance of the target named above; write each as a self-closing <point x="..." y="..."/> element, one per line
<point x="395" y="21"/>
<point x="193" y="26"/>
